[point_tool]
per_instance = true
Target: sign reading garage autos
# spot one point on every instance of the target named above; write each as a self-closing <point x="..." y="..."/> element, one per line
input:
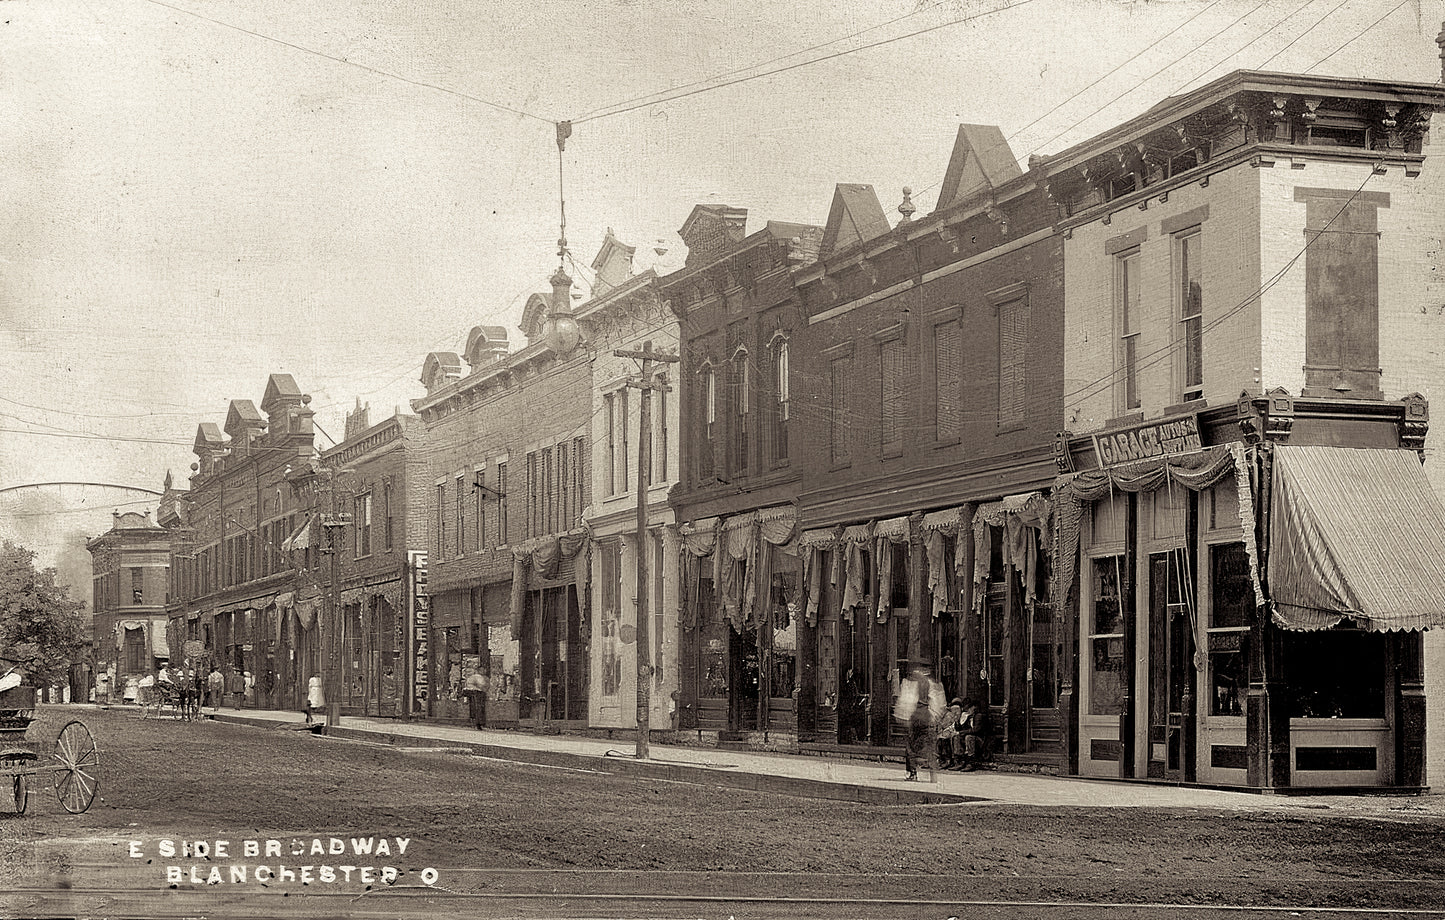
<point x="1162" y="438"/>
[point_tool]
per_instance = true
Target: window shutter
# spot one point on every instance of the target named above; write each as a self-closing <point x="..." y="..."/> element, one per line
<point x="948" y="379"/>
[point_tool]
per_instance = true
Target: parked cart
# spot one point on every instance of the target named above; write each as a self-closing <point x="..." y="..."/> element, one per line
<point x="73" y="761"/>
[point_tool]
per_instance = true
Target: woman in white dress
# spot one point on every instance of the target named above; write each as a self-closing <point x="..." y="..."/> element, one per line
<point x="315" y="697"/>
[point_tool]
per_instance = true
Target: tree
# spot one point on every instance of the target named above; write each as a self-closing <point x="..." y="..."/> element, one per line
<point x="40" y="626"/>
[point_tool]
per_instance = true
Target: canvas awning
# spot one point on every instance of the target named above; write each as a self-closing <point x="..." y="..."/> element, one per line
<point x="1355" y="533"/>
<point x="300" y="538"/>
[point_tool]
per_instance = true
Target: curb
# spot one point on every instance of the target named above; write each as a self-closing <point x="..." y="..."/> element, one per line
<point x="672" y="772"/>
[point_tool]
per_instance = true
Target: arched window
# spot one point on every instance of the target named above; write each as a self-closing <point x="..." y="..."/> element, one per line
<point x="707" y="421"/>
<point x="742" y="408"/>
<point x="780" y="411"/>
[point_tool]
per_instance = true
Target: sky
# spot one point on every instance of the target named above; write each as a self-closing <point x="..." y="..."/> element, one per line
<point x="200" y="193"/>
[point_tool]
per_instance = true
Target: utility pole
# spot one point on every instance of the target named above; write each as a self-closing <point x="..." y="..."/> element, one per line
<point x="646" y="384"/>
<point x="332" y="525"/>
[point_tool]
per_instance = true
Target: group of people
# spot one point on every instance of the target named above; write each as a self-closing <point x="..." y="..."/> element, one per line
<point x="952" y="736"/>
<point x="214" y="689"/>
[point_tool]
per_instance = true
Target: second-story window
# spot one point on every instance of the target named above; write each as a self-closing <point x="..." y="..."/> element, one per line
<point x="502" y="503"/>
<point x="1127" y="290"/>
<point x="461" y="502"/>
<point x="479" y="507"/>
<point x="610" y="408"/>
<point x="1013" y="374"/>
<point x="782" y="395"/>
<point x="1191" y="312"/>
<point x="441" y="518"/>
<point x="892" y="386"/>
<point x="948" y="380"/>
<point x="361" y="524"/>
<point x="658" y="467"/>
<point x="707" y="419"/>
<point x="137" y="586"/>
<point x="386" y="512"/>
<point x="742" y="410"/>
<point x="840" y="423"/>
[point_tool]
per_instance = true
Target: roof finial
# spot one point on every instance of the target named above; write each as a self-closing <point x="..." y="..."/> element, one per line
<point x="907" y="208"/>
<point x="1440" y="41"/>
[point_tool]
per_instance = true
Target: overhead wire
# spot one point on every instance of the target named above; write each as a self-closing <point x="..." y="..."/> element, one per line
<point x="360" y="66"/>
<point x="1318" y="22"/>
<point x="1358" y="35"/>
<point x="782" y="57"/>
<point x="1009" y="5"/>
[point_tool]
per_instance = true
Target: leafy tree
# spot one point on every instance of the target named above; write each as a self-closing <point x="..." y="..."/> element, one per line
<point x="40" y="626"/>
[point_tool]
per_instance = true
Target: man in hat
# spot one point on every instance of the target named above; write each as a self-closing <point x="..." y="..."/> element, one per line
<point x="920" y="704"/>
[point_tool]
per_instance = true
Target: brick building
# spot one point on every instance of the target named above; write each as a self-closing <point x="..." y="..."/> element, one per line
<point x="128" y="600"/>
<point x="1220" y="554"/>
<point x="626" y="312"/>
<point x="930" y="385"/>
<point x="380" y="476"/>
<point x="735" y="500"/>
<point x="244" y="560"/>
<point x="508" y="478"/>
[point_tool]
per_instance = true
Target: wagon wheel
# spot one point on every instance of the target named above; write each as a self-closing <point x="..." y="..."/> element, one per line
<point x="77" y="757"/>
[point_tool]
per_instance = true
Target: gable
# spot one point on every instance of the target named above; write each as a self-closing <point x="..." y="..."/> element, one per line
<point x="854" y="216"/>
<point x="981" y="162"/>
<point x="711" y="229"/>
<point x="613" y="264"/>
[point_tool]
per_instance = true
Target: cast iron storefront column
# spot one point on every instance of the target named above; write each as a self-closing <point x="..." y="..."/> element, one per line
<point x="1130" y="615"/>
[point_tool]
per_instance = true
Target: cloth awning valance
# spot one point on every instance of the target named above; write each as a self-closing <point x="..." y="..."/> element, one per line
<point x="1355" y="533"/>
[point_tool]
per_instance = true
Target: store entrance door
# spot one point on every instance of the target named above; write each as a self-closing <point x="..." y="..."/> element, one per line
<point x="1171" y="670"/>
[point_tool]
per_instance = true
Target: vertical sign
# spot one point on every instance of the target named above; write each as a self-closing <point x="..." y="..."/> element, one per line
<point x="420" y="617"/>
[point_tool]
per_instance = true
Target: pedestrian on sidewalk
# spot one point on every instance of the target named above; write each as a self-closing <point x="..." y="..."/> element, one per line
<point x="315" y="698"/>
<point x="235" y="688"/>
<point x="476" y="692"/>
<point x="920" y="704"/>
<point x="249" y="695"/>
<point x="215" y="684"/>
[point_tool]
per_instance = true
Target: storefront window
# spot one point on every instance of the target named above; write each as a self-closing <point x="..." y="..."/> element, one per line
<point x="1231" y="608"/>
<point x="1107" y="679"/>
<point x="506" y="660"/>
<point x="1335" y="674"/>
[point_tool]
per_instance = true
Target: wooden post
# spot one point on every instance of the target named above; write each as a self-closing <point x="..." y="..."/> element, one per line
<point x="644" y="472"/>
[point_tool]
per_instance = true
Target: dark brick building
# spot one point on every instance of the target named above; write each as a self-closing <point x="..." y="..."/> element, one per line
<point x="929" y="391"/>
<point x="381" y="477"/>
<point x="129" y="563"/>
<point x="736" y="499"/>
<point x="509" y="477"/>
<point x="244" y="560"/>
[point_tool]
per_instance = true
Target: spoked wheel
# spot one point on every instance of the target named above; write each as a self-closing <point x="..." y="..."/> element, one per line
<point x="77" y="758"/>
<point x="22" y="794"/>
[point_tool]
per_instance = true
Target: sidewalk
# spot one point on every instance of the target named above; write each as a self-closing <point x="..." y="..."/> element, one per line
<point x="794" y="774"/>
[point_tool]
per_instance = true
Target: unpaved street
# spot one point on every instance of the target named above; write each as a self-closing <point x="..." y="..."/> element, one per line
<point x="510" y="839"/>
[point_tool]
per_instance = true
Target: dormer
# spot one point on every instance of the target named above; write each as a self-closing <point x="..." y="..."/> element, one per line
<point x="486" y="345"/>
<point x="244" y="424"/>
<point x="981" y="162"/>
<point x="282" y="394"/>
<point x="440" y="369"/>
<point x="534" y="317"/>
<point x="712" y="229"/>
<point x="209" y="446"/>
<point x="854" y="216"/>
<point x="613" y="264"/>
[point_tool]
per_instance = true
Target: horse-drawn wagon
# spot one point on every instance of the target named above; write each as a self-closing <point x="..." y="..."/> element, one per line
<point x="73" y="760"/>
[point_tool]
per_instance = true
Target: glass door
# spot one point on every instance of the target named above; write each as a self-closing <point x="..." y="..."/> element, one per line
<point x="1171" y="671"/>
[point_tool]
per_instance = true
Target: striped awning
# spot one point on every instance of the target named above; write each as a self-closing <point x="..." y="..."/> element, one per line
<point x="1355" y="533"/>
